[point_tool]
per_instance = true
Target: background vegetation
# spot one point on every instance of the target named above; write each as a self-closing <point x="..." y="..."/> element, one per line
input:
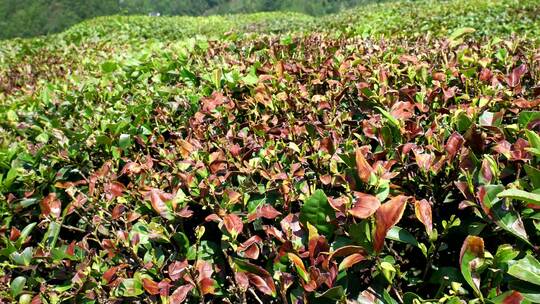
<point x="28" y="18"/>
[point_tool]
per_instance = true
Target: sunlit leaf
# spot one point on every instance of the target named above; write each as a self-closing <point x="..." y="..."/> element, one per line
<point x="387" y="216"/>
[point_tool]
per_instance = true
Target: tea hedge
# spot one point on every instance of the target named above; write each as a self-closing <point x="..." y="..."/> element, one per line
<point x="382" y="155"/>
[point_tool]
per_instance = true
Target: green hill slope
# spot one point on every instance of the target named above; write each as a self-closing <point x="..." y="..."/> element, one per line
<point x="30" y="18"/>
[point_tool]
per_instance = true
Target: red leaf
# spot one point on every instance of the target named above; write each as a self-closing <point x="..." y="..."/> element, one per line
<point x="346" y="251"/>
<point x="338" y="203"/>
<point x="502" y="147"/>
<point x="454" y="144"/>
<point x="519" y="151"/>
<point x="242" y="280"/>
<point x="208" y="104"/>
<point x="51" y="205"/>
<point x="424" y="160"/>
<point x="265" y="211"/>
<point x="233" y="224"/>
<point x="485" y="171"/>
<point x="207" y="286"/>
<point x="326" y="179"/>
<point x="150" y="286"/>
<point x="164" y="287"/>
<point x="268" y="212"/>
<point x="365" y="205"/>
<point x="233" y="196"/>
<point x="362" y="166"/>
<point x="486" y="75"/>
<point x="449" y="93"/>
<point x="439" y="76"/>
<point x="157" y="199"/>
<point x="118" y="210"/>
<point x="387" y="216"/>
<point x="422" y="210"/>
<point x="351" y="260"/>
<point x="71" y="249"/>
<point x="176" y="268"/>
<point x="213" y="218"/>
<point x="257" y="277"/>
<point x="66" y="185"/>
<point x="131" y="168"/>
<point x="110" y="273"/>
<point x="14" y="234"/>
<point x="217" y="162"/>
<point x="113" y="190"/>
<point x="185" y="212"/>
<point x="180" y="294"/>
<point x="265" y="285"/>
<point x="402" y="110"/>
<point x="299" y="264"/>
<point x="250" y="248"/>
<point x="204" y="270"/>
<point x="316" y="244"/>
<point x="473" y="244"/>
<point x="514" y="78"/>
<point x="524" y="104"/>
<point x="327" y="145"/>
<point x="36" y="300"/>
<point x="514" y="298"/>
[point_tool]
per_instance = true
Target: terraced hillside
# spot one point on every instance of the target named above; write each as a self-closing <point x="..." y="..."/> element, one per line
<point x="386" y="154"/>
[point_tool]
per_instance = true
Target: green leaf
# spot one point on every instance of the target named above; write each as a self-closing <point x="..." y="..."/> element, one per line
<point x="526" y="269"/>
<point x="334" y="294"/>
<point x="527" y="117"/>
<point x="504" y="217"/>
<point x="507" y="297"/>
<point x="17" y="286"/>
<point x="534" y="139"/>
<point x="388" y="270"/>
<point x="250" y="79"/>
<point x="51" y="236"/>
<point x="401" y="235"/>
<point x="108" y="67"/>
<point x="125" y="141"/>
<point x="531" y="198"/>
<point x="505" y="253"/>
<point x="25" y="233"/>
<point x="24" y="258"/>
<point x="529" y="291"/>
<point x="318" y="212"/>
<point x="129" y="288"/>
<point x="299" y="265"/>
<point x="534" y="176"/>
<point x="463" y="122"/>
<point x="181" y="241"/>
<point x="389" y="116"/>
<point x="42" y="138"/>
<point x="460" y="32"/>
<point x="471" y="257"/>
<point x="387" y="298"/>
<point x="361" y="234"/>
<point x="409" y="297"/>
<point x="12" y="174"/>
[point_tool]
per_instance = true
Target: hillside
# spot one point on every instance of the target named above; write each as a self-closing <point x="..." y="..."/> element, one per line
<point x="30" y="18"/>
<point x="384" y="154"/>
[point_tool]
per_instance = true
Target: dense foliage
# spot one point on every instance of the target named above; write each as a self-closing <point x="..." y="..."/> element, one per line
<point x="29" y="18"/>
<point x="383" y="155"/>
